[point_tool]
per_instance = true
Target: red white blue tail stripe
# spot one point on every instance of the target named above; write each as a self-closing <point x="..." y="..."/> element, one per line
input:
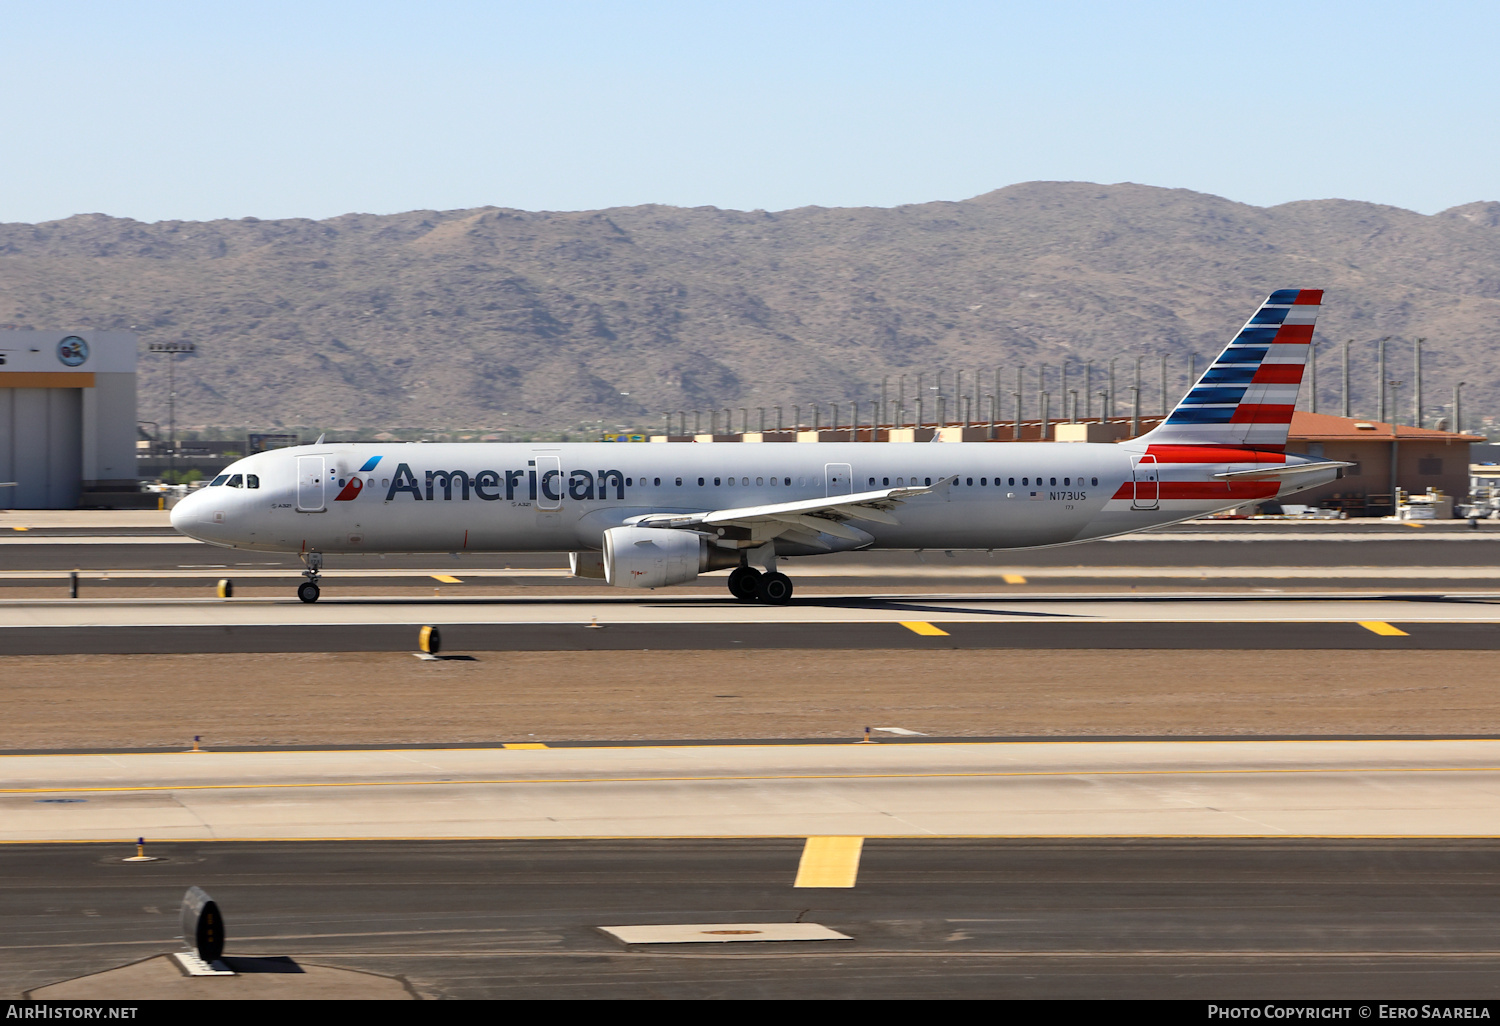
<point x="1247" y="395"/>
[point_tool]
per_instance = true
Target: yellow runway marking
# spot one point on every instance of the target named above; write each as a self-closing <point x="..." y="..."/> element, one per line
<point x="1014" y="579"/>
<point x="20" y="528"/>
<point x="1380" y="627"/>
<point x="924" y="628"/>
<point x="829" y="862"/>
<point x="1412" y="523"/>
<point x="523" y="745"/>
<point x="446" y="579"/>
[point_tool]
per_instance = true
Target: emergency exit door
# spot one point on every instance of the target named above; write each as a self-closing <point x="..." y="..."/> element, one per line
<point x="840" y="480"/>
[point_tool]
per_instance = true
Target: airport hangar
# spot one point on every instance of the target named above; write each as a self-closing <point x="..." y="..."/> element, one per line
<point x="67" y="416"/>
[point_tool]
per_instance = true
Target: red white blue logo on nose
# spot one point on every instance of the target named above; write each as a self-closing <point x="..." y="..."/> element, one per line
<point x="355" y="485"/>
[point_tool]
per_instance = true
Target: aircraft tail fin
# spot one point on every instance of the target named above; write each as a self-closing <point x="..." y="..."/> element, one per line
<point x="1247" y="395"/>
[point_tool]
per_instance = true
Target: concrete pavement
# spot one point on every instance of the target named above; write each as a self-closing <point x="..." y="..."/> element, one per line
<point x="1019" y="789"/>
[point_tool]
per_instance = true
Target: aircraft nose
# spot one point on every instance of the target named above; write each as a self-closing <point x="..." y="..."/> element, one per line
<point x="181" y="514"/>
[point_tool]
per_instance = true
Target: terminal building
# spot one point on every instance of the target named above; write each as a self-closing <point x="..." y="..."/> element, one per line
<point x="67" y="417"/>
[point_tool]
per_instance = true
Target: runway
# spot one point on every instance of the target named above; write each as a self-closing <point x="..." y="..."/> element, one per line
<point x="525" y="790"/>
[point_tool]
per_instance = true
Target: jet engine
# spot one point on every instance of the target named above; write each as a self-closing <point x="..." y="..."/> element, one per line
<point x="653" y="557"/>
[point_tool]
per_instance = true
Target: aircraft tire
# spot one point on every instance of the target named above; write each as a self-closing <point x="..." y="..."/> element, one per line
<point x="774" y="589"/>
<point x="307" y="591"/>
<point x="744" y="583"/>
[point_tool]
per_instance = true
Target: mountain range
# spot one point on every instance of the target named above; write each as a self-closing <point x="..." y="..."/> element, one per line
<point x="544" y="323"/>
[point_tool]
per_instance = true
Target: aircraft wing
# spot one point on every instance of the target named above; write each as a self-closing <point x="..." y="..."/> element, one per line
<point x="826" y="515"/>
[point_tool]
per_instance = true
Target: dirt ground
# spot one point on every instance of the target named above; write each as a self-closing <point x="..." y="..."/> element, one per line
<point x="70" y="702"/>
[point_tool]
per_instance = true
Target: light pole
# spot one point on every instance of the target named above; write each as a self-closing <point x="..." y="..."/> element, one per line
<point x="172" y="349"/>
<point x="1417" y="419"/>
<point x="1458" y="409"/>
<point x="1395" y="451"/>
<point x="1312" y="361"/>
<point x="1346" y="377"/>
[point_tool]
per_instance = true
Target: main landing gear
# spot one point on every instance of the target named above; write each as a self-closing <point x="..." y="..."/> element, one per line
<point x="751" y="585"/>
<point x="308" y="591"/>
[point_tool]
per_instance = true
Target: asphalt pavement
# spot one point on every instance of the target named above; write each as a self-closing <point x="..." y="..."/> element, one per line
<point x="927" y="918"/>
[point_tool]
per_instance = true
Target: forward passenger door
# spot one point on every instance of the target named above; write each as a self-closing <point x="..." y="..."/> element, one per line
<point x="310" y="484"/>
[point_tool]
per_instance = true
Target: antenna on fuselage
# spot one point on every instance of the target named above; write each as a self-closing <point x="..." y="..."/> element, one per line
<point x="320" y="439"/>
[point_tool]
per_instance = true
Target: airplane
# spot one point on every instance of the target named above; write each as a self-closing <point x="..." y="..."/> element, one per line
<point x="649" y="516"/>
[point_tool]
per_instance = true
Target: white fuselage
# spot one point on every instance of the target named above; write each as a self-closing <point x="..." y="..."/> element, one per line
<point x="414" y="497"/>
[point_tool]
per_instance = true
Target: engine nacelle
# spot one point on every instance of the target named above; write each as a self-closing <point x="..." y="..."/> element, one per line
<point x="653" y="557"/>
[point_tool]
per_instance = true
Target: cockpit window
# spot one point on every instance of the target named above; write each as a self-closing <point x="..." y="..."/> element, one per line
<point x="218" y="480"/>
<point x="237" y="481"/>
<point x="252" y="481"/>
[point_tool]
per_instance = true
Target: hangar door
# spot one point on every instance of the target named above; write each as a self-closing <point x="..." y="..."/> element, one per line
<point x="41" y="447"/>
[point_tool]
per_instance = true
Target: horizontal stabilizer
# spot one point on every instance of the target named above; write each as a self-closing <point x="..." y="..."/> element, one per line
<point x="1283" y="471"/>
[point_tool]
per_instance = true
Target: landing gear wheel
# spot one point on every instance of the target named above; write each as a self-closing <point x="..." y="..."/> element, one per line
<point x="775" y="589"/>
<point x="307" y="591"/>
<point x="743" y="583"/>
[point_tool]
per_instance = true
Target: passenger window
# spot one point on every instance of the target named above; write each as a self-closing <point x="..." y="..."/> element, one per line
<point x="801" y="482"/>
<point x="385" y="482"/>
<point x="983" y="481"/>
<point x="1095" y="480"/>
<point x="630" y="482"/>
<point x="716" y="482"/>
<point x="239" y="482"/>
<point x="234" y="482"/>
<point x="885" y="481"/>
<point x="700" y="482"/>
<point x="787" y="482"/>
<point x="760" y="480"/>
<point x="657" y="480"/>
<point x="1054" y="481"/>
<point x="1068" y="481"/>
<point x="1025" y="480"/>
<point x="745" y="481"/>
<point x="900" y="482"/>
<point x="928" y="480"/>
<point x="218" y="480"/>
<point x="251" y="481"/>
<point x="971" y="482"/>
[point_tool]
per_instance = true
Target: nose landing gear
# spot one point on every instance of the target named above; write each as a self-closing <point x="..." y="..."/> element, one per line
<point x="308" y="590"/>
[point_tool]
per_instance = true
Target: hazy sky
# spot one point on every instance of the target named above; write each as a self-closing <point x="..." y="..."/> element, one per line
<point x="165" y="110"/>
